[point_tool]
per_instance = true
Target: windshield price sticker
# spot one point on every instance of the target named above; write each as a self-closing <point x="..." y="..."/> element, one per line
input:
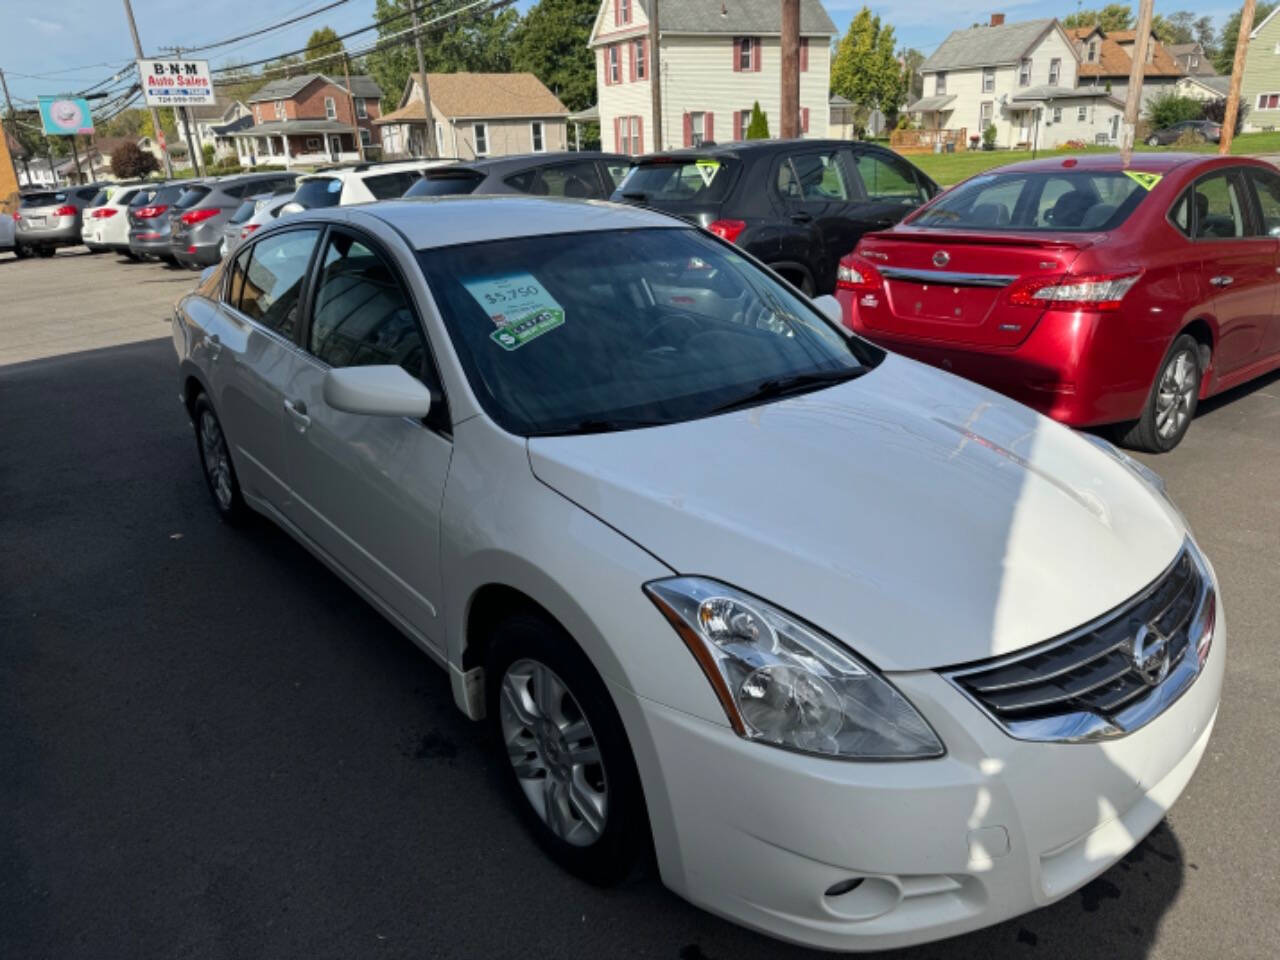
<point x="518" y="306"/>
<point x="1145" y="180"/>
<point x="707" y="169"/>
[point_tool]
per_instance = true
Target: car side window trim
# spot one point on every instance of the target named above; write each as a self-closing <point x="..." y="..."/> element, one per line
<point x="304" y="302"/>
<point x="1235" y="176"/>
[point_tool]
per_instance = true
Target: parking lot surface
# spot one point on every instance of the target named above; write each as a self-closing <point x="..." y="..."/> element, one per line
<point x="211" y="748"/>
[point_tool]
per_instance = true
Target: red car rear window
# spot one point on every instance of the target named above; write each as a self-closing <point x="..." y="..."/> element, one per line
<point x="1059" y="201"/>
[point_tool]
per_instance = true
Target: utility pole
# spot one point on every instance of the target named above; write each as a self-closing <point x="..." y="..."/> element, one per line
<point x="76" y="153"/>
<point x="790" y="69"/>
<point x="655" y="74"/>
<point x="1237" y="74"/>
<point x="351" y="104"/>
<point x="429" y="127"/>
<point x="186" y="123"/>
<point x="13" y="119"/>
<point x="1133" y="101"/>
<point x="155" y="114"/>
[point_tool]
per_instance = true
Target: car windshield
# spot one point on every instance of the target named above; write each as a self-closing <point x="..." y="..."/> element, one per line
<point x="698" y="181"/>
<point x="1061" y="200"/>
<point x="191" y="196"/>
<point x="445" y="184"/>
<point x="609" y="330"/>
<point x="317" y="192"/>
<point x="46" y="199"/>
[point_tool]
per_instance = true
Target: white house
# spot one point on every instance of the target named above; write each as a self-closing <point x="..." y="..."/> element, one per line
<point x="213" y="125"/>
<point x="1019" y="77"/>
<point x="716" y="58"/>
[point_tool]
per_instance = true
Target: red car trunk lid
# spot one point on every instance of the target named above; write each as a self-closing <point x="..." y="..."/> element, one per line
<point x="953" y="286"/>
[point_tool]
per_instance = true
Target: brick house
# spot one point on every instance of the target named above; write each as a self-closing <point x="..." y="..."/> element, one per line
<point x="308" y="119"/>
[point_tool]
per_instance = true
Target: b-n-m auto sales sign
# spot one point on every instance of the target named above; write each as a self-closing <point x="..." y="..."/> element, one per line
<point x="176" y="83"/>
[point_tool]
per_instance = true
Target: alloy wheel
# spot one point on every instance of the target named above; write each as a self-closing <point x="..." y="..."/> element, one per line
<point x="217" y="462"/>
<point x="1176" y="393"/>
<point x="554" y="752"/>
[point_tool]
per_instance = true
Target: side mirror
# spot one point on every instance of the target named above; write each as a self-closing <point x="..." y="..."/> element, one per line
<point x="377" y="391"/>
<point x="829" y="306"/>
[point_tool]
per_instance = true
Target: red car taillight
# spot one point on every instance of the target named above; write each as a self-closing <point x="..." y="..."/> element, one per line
<point x="857" y="273"/>
<point x="248" y="229"/>
<point x="65" y="211"/>
<point x="727" y="229"/>
<point x="148" y="213"/>
<point x="192" y="217"/>
<point x="1093" y="292"/>
<point x="103" y="213"/>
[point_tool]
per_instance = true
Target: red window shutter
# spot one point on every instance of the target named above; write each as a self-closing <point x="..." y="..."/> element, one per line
<point x="638" y="142"/>
<point x="804" y="54"/>
<point x="755" y="54"/>
<point x="708" y="126"/>
<point x="604" y="58"/>
<point x="617" y="134"/>
<point x="617" y="12"/>
<point x="688" y="130"/>
<point x="737" y="125"/>
<point x="631" y="62"/>
<point x="804" y="119"/>
<point x="737" y="54"/>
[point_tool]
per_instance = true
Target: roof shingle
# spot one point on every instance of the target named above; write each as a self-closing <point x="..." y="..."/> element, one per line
<point x="484" y="95"/>
<point x="287" y="88"/>
<point x="738" y="17"/>
<point x="1114" y="60"/>
<point x="987" y="46"/>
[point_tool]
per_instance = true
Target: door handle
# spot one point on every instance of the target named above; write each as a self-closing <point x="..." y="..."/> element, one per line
<point x="213" y="345"/>
<point x="801" y="217"/>
<point x="1222" y="281"/>
<point x="298" y="410"/>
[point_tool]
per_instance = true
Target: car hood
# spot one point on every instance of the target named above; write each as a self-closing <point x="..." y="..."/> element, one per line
<point x="921" y="519"/>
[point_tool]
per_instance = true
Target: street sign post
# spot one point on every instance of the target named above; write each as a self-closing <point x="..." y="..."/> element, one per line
<point x="176" y="83"/>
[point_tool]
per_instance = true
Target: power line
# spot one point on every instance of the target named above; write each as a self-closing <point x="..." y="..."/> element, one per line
<point x="254" y="33"/>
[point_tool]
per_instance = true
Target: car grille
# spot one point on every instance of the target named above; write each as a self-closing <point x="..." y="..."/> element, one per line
<point x="1108" y="678"/>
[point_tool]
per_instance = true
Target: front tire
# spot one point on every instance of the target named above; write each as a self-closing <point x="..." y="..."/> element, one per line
<point x="45" y="251"/>
<point x="1153" y="141"/>
<point x="215" y="461"/>
<point x="21" y="252"/>
<point x="568" y="764"/>
<point x="1171" y="406"/>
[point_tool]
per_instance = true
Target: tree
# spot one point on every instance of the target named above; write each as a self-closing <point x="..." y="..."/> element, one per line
<point x="758" y="126"/>
<point x="130" y="162"/>
<point x="866" y="70"/>
<point x="479" y="42"/>
<point x="1216" y="110"/>
<point x="913" y="79"/>
<point x="1231" y="32"/>
<point x="322" y="43"/>
<point x="551" y="43"/>
<point x="1175" y="28"/>
<point x="126" y="123"/>
<point x="1114" y="16"/>
<point x="1168" y="108"/>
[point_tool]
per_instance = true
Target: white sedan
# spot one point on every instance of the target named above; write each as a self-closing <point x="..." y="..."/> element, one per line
<point x="874" y="655"/>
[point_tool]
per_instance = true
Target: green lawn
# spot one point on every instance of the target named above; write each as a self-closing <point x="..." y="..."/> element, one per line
<point x="949" y="168"/>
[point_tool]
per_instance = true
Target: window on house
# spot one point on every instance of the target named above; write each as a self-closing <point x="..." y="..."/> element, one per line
<point x="637" y="141"/>
<point x="1082" y="114"/>
<point x="1024" y="72"/>
<point x="366" y="138"/>
<point x="1055" y="70"/>
<point x="985" y="112"/>
<point x="1057" y="114"/>
<point x="1195" y="61"/>
<point x="362" y="111"/>
<point x="697" y="123"/>
<point x="1268" y="101"/>
<point x="440" y="139"/>
<point x="330" y="108"/>
<point x="480" y="132"/>
<point x="988" y="79"/>
<point x="624" y="11"/>
<point x="639" y="68"/>
<point x="313" y="145"/>
<point x="744" y="121"/>
<point x="940" y="83"/>
<point x="535" y="133"/>
<point x="257" y="114"/>
<point x="1277" y="50"/>
<point x="615" y="73"/>
<point x="745" y="53"/>
<point x="279" y="109"/>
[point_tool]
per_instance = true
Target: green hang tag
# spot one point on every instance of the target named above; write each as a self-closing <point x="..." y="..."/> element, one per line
<point x="707" y="169"/>
<point x="1145" y="180"/>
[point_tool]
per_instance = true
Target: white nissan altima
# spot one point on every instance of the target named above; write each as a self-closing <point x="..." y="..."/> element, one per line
<point x="872" y="654"/>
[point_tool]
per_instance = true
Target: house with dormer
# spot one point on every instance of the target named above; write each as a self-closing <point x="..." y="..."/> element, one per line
<point x="1106" y="59"/>
<point x="309" y="119"/>
<point x="715" y="59"/>
<point x="215" y="124"/>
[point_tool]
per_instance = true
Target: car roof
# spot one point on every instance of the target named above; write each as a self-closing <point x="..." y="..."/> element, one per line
<point x="526" y="161"/>
<point x="427" y="222"/>
<point x="360" y="169"/>
<point x="1114" y="162"/>
<point x="746" y="148"/>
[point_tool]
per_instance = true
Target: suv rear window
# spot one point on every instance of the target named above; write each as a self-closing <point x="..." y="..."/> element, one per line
<point x="704" y="180"/>
<point x="244" y="211"/>
<point x="1081" y="200"/>
<point x="99" y="199"/>
<point x="143" y="196"/>
<point x="46" y="199"/>
<point x="190" y="197"/>
<point x="452" y="183"/>
<point x="389" y="186"/>
<point x="319" y="192"/>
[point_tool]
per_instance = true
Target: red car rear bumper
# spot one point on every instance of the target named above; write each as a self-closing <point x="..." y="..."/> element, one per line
<point x="1079" y="368"/>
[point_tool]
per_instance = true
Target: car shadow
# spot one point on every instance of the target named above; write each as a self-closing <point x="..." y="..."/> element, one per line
<point x="1228" y="397"/>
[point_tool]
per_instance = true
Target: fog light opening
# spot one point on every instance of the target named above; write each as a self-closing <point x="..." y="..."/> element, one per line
<point x="844" y="886"/>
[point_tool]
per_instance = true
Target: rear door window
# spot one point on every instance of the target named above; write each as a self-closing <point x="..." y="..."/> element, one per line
<point x="387" y="186"/>
<point x="1217" y="208"/>
<point x="813" y="177"/>
<point x="272" y="286"/>
<point x="319" y="192"/>
<point x="1267" y="187"/>
<point x="887" y="178"/>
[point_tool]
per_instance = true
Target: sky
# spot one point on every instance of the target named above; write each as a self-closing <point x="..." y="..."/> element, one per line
<point x="57" y="47"/>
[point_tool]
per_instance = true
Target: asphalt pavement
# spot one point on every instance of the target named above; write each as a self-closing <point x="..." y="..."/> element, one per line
<point x="211" y="748"/>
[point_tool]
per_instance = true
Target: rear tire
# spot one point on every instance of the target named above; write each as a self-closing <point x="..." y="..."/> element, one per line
<point x="1171" y="405"/>
<point x="21" y="252"/>
<point x="45" y="251"/>
<point x="565" y="754"/>
<point x="215" y="462"/>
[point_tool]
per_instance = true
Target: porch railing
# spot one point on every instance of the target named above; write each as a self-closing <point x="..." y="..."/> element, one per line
<point x="929" y="141"/>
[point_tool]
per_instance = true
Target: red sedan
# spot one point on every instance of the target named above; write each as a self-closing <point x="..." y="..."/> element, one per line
<point x="1096" y="292"/>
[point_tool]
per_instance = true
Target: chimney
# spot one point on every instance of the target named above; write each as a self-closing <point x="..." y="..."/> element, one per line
<point x="997" y="20"/>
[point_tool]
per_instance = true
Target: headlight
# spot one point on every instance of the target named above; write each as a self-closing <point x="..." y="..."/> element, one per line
<point x="783" y="683"/>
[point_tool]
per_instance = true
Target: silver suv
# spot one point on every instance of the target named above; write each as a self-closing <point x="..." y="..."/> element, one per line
<point x="48" y="219"/>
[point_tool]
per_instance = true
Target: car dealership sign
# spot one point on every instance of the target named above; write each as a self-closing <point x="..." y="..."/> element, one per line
<point x="176" y="83"/>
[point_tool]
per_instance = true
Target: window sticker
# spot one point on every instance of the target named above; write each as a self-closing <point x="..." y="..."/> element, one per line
<point x="1145" y="180"/>
<point x="707" y="169"/>
<point x="518" y="306"/>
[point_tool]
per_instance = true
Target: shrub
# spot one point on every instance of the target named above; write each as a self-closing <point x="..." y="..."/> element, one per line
<point x="758" y="127"/>
<point x="1216" y="110"/>
<point x="206" y="151"/>
<point x="131" y="162"/>
<point x="1169" y="108"/>
<point x="1189" y="138"/>
<point x="989" y="137"/>
<point x="904" y="121"/>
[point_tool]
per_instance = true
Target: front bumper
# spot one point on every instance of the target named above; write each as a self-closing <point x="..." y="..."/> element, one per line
<point x="994" y="829"/>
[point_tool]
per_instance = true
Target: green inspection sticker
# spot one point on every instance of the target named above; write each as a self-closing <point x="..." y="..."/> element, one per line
<point x="518" y="306"/>
<point x="1145" y="180"/>
<point x="707" y="169"/>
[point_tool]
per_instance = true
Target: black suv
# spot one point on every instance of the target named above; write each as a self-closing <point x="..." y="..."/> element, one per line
<point x="587" y="175"/>
<point x="797" y="205"/>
